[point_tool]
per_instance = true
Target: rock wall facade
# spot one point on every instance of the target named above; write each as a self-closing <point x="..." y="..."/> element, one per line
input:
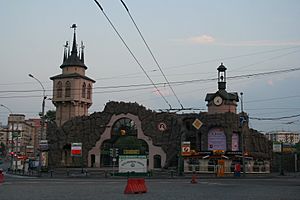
<point x="88" y="130"/>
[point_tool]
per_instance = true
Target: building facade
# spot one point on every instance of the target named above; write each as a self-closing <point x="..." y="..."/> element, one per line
<point x="131" y="129"/>
<point x="286" y="137"/>
<point x="21" y="137"/>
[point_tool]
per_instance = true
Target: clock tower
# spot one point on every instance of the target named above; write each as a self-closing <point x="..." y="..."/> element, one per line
<point x="72" y="89"/>
<point x="221" y="101"/>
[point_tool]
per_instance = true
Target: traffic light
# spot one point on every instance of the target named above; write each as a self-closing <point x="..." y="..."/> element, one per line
<point x="111" y="152"/>
<point x="114" y="152"/>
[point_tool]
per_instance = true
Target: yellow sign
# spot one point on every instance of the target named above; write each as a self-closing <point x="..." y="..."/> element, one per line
<point x="131" y="151"/>
<point x="197" y="123"/>
<point x="218" y="152"/>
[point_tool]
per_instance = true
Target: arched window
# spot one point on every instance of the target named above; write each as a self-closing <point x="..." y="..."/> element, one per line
<point x="83" y="90"/>
<point x="59" y="90"/>
<point x="89" y="92"/>
<point x="68" y="89"/>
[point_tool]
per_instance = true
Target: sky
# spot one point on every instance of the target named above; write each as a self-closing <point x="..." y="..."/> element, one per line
<point x="258" y="41"/>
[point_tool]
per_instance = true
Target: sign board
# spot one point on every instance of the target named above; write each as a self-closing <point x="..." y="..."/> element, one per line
<point x="44" y="159"/>
<point x="44" y="145"/>
<point x="277" y="147"/>
<point x="197" y="124"/>
<point x="216" y="139"/>
<point x="76" y="149"/>
<point x="131" y="151"/>
<point x="186" y="148"/>
<point x="162" y="126"/>
<point x="131" y="163"/>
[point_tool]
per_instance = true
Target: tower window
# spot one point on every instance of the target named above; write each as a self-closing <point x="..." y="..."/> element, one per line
<point x="68" y="89"/>
<point x="83" y="90"/>
<point x="59" y="90"/>
<point x="89" y="91"/>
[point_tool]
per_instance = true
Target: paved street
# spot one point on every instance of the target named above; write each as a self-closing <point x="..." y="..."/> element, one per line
<point x="27" y="188"/>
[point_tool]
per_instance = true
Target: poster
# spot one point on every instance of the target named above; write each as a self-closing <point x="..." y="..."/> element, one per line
<point x="216" y="139"/>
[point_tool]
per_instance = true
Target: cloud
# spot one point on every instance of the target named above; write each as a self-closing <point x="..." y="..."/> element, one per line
<point x="270" y="82"/>
<point x="163" y="90"/>
<point x="259" y="43"/>
<point x="202" y="39"/>
<point x="208" y="39"/>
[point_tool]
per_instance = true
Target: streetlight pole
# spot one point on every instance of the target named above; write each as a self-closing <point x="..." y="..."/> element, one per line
<point x="43" y="105"/>
<point x="42" y="116"/>
<point x="242" y="135"/>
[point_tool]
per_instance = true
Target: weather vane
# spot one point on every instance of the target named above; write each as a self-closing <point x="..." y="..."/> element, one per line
<point x="74" y="27"/>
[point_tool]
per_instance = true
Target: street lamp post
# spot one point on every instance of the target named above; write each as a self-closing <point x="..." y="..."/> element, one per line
<point x="42" y="116"/>
<point x="242" y="135"/>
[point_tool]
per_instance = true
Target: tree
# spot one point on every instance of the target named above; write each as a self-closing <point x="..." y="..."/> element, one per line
<point x="298" y="148"/>
<point x="50" y="115"/>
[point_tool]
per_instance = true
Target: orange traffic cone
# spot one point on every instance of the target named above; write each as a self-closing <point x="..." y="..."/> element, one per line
<point x="193" y="181"/>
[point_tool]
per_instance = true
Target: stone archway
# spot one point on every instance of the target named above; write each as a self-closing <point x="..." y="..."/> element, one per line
<point x="153" y="150"/>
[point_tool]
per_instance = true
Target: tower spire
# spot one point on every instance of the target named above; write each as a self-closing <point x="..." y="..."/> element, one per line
<point x="82" y="52"/>
<point x="66" y="53"/>
<point x="74" y="47"/>
<point x="76" y="56"/>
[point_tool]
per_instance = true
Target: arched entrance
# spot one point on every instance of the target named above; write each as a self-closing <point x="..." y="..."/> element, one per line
<point x="121" y="130"/>
<point x="123" y="141"/>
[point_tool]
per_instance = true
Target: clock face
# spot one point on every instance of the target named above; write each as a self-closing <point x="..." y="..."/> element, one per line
<point x="218" y="100"/>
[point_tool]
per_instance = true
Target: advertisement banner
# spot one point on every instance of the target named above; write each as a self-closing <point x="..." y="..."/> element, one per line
<point x="216" y="139"/>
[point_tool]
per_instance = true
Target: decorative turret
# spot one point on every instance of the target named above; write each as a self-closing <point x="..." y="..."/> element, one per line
<point x="73" y="59"/>
<point x="221" y="77"/>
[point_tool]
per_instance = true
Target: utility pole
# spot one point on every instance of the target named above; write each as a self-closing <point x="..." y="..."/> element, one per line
<point x="42" y="136"/>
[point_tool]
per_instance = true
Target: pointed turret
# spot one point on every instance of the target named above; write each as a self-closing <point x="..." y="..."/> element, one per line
<point x="74" y="47"/>
<point x="82" y="52"/>
<point x="66" y="53"/>
<point x="73" y="59"/>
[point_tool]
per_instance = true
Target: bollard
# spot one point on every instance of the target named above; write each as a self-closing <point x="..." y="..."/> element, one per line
<point x="172" y="173"/>
<point x="51" y="173"/>
<point x="1" y="176"/>
<point x="68" y="173"/>
<point x="86" y="172"/>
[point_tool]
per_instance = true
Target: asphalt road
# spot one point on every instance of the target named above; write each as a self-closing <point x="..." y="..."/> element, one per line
<point x="26" y="188"/>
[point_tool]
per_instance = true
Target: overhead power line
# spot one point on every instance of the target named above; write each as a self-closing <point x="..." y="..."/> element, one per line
<point x="151" y="53"/>
<point x="132" y="54"/>
<point x="147" y="86"/>
<point x="274" y="118"/>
